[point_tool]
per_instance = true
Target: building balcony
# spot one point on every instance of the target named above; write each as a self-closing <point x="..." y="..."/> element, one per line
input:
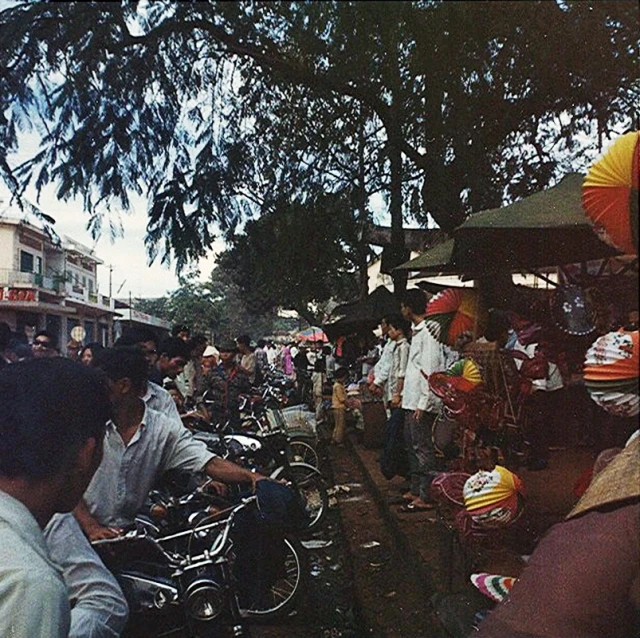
<point x="27" y="280"/>
<point x="76" y="292"/>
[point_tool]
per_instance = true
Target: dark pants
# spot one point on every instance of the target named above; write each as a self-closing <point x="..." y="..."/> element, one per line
<point x="543" y="409"/>
<point x="422" y="458"/>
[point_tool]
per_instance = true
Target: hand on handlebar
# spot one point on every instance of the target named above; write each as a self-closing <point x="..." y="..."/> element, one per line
<point x="102" y="532"/>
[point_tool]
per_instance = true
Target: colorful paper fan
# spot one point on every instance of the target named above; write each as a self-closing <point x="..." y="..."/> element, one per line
<point x="493" y="586"/>
<point x="453" y="312"/>
<point x="621" y="404"/>
<point x="613" y="356"/>
<point x="610" y="194"/>
<point x="465" y="374"/>
<point x="611" y="372"/>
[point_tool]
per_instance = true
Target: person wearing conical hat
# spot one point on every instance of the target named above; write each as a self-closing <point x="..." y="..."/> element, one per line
<point x="583" y="579"/>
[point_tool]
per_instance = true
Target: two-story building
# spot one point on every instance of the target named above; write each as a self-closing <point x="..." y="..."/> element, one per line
<point x="50" y="283"/>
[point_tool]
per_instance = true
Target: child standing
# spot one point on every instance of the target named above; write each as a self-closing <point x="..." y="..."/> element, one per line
<point x="339" y="405"/>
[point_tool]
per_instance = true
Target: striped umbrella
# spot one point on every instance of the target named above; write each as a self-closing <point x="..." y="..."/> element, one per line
<point x="610" y="194"/>
<point x="453" y="312"/>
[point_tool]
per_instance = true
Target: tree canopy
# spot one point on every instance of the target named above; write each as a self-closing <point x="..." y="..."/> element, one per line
<point x="210" y="108"/>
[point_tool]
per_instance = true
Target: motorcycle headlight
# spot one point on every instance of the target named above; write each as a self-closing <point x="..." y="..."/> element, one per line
<point x="204" y="599"/>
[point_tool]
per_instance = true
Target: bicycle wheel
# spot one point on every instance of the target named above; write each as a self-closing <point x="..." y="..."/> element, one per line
<point x="283" y="595"/>
<point x="309" y="483"/>
<point x="299" y="451"/>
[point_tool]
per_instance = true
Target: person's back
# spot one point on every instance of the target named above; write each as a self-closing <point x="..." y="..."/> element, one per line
<point x="52" y="418"/>
<point x="33" y="596"/>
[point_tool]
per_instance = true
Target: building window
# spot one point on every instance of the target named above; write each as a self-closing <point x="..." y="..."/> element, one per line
<point x="26" y="261"/>
<point x="38" y="269"/>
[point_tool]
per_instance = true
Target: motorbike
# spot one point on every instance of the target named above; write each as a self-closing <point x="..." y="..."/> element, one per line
<point x="268" y="454"/>
<point x="194" y="568"/>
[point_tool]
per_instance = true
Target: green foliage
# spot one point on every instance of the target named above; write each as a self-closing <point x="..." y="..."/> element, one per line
<point x="316" y="236"/>
<point x="217" y="111"/>
<point x="214" y="308"/>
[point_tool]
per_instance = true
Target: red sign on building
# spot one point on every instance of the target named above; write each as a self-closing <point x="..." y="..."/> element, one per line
<point x="17" y="294"/>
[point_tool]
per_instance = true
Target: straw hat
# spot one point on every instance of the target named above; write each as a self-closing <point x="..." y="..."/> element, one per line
<point x="618" y="481"/>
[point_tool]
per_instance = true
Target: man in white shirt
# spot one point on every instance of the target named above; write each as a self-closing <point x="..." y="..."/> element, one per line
<point x="52" y="418"/>
<point x="99" y="608"/>
<point x="420" y="404"/>
<point x="139" y="445"/>
<point x="382" y="368"/>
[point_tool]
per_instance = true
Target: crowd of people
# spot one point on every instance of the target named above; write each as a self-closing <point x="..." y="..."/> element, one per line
<point x="83" y="438"/>
<point x="81" y="444"/>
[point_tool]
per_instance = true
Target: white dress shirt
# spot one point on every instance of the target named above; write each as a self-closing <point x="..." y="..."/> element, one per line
<point x="160" y="400"/>
<point x="99" y="607"/>
<point x="127" y="473"/>
<point x="425" y="355"/>
<point x="399" y="359"/>
<point x="383" y="367"/>
<point x="33" y="597"/>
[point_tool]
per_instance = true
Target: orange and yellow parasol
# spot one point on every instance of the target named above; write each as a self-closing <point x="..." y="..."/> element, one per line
<point x="610" y="194"/>
<point x="453" y="312"/>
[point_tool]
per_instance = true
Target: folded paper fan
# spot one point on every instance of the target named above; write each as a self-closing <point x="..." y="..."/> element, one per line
<point x="464" y="374"/>
<point x="611" y="373"/>
<point x="610" y="194"/>
<point x="613" y="356"/>
<point x="619" y="404"/>
<point x="493" y="586"/>
<point x="453" y="312"/>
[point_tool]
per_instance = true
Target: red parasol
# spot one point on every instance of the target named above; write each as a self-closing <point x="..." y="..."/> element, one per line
<point x="610" y="194"/>
<point x="453" y="312"/>
<point x="312" y="334"/>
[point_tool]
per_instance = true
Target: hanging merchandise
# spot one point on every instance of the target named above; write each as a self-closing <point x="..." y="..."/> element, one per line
<point x="571" y="311"/>
<point x="611" y="372"/>
<point x="610" y="194"/>
<point x="454" y="312"/>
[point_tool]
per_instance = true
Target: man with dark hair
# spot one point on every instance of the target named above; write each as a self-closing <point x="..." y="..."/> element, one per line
<point x="224" y="385"/>
<point x="247" y="357"/>
<point x="190" y="381"/>
<point x="180" y="331"/>
<point x="145" y="338"/>
<point x="154" y="395"/>
<point x="139" y="446"/>
<point x="45" y="345"/>
<point x="173" y="354"/>
<point x="420" y="404"/>
<point x="52" y="424"/>
<point x="382" y="367"/>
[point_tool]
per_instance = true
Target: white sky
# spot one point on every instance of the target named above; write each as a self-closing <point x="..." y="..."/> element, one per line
<point x="132" y="273"/>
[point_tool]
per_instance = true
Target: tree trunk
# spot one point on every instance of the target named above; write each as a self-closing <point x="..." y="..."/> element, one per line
<point x="363" y="217"/>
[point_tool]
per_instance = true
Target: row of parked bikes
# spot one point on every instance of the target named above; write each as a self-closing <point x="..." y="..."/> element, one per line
<point x="203" y="563"/>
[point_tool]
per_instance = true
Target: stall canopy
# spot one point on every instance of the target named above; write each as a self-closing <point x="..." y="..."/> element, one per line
<point x="361" y="315"/>
<point x="548" y="228"/>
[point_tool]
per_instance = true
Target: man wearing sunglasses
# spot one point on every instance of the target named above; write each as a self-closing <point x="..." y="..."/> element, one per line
<point x="45" y="345"/>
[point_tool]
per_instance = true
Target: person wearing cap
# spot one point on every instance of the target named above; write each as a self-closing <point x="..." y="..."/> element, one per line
<point x="210" y="358"/>
<point x="223" y="386"/>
